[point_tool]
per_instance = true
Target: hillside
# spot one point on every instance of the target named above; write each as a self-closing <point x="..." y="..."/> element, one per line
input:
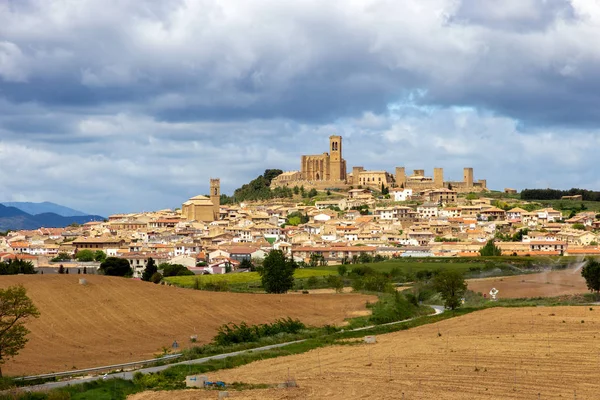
<point x="45" y="207"/>
<point x="15" y="219"/>
<point x="114" y="320"/>
<point x="494" y="354"/>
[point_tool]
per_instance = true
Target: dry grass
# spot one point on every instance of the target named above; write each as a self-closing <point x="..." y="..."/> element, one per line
<point x="115" y="320"/>
<point x="492" y="354"/>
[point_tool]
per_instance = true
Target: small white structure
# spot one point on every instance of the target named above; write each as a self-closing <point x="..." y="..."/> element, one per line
<point x="494" y="293"/>
<point x="195" y="380"/>
<point x="370" y="339"/>
<point x="401" y="194"/>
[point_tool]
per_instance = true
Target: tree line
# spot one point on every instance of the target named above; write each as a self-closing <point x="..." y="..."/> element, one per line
<point x="556" y="194"/>
<point x="16" y="266"/>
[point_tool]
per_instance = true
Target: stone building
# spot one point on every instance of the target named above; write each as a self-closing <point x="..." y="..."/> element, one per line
<point x="328" y="171"/>
<point x="202" y="208"/>
<point x="418" y="181"/>
<point x="361" y="177"/>
<point x="327" y="166"/>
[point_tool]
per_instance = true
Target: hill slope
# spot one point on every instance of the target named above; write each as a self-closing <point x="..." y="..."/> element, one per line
<point x="15" y="219"/>
<point x="114" y="320"/>
<point x="44" y="207"/>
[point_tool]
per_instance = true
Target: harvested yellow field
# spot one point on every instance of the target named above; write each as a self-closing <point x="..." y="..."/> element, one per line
<point x="501" y="353"/>
<point x="543" y="284"/>
<point x="116" y="320"/>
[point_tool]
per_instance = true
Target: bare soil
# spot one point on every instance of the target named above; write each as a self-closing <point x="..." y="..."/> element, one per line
<point x="496" y="354"/>
<point x="116" y="320"/>
<point x="545" y="284"/>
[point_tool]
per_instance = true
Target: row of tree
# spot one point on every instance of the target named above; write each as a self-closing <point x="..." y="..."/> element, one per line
<point x="16" y="266"/>
<point x="555" y="194"/>
<point x="84" y="255"/>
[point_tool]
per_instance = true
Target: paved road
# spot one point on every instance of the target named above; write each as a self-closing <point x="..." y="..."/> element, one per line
<point x="128" y="375"/>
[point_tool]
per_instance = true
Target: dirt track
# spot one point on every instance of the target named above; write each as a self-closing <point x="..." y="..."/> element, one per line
<point x="115" y="320"/>
<point x="498" y="354"/>
<point x="546" y="284"/>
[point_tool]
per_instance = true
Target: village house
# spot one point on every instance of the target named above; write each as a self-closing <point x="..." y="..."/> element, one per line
<point x="98" y="243"/>
<point x="492" y="214"/>
<point x="577" y="237"/>
<point x="401" y="194"/>
<point x="333" y="254"/>
<point x="441" y="196"/>
<point x="428" y="210"/>
<point x="551" y="247"/>
<point x="139" y="261"/>
<point x="515" y="214"/>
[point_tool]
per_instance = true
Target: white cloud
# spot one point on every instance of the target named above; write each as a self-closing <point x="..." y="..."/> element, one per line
<point x="134" y="105"/>
<point x="13" y="66"/>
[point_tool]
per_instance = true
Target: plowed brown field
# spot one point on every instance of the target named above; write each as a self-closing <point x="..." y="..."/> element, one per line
<point x="545" y="284"/>
<point x="115" y="320"/>
<point x="499" y="354"/>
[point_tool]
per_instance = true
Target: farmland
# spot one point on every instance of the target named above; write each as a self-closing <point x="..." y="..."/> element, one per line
<point x="243" y="277"/>
<point x="543" y="284"/>
<point x="498" y="353"/>
<point x="409" y="266"/>
<point x="114" y="320"/>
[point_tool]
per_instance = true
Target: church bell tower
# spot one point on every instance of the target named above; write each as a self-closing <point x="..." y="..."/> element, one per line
<point x="215" y="196"/>
<point x="336" y="162"/>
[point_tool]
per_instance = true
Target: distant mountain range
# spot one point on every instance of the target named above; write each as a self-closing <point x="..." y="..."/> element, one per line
<point x="14" y="218"/>
<point x="45" y="207"/>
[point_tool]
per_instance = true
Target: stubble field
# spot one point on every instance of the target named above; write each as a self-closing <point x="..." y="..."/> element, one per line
<point x="116" y="320"/>
<point x="500" y="353"/>
<point x="544" y="284"/>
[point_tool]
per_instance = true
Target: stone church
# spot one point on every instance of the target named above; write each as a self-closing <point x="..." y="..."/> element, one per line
<point x="202" y="208"/>
<point x="327" y="166"/>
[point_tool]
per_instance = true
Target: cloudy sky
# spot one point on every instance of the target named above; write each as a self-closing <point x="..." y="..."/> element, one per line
<point x="132" y="105"/>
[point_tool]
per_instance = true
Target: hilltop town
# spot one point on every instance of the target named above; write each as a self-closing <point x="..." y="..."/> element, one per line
<point x="328" y="214"/>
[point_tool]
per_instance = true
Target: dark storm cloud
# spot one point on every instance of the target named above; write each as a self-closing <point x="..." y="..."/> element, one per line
<point x="156" y="96"/>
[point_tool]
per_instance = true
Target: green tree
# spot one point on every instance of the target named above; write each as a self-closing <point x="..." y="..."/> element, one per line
<point x="297" y="218"/>
<point x="336" y="283"/>
<point x="150" y="270"/>
<point x="246" y="264"/>
<point x="580" y="227"/>
<point x="490" y="249"/>
<point x="591" y="274"/>
<point x="99" y="256"/>
<point x="174" y="270"/>
<point x="296" y="190"/>
<point x="294" y="221"/>
<point x="15" y="309"/>
<point x="115" y="266"/>
<point x="62" y="256"/>
<point x="156" y="277"/>
<point x="342" y="270"/>
<point x="312" y="192"/>
<point x="277" y="272"/>
<point x="451" y="285"/>
<point x="17" y="266"/>
<point x="85" y="255"/>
